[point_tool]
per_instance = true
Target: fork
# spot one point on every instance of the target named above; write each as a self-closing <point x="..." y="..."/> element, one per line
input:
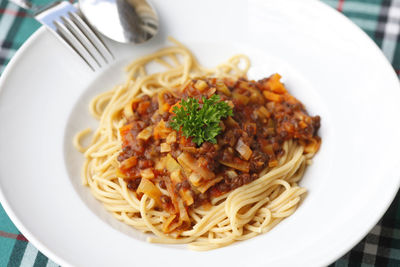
<point x="67" y="23"/>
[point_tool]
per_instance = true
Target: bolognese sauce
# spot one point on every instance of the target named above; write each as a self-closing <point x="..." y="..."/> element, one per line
<point x="180" y="174"/>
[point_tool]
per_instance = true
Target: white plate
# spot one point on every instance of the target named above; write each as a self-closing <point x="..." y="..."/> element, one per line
<point x="326" y="61"/>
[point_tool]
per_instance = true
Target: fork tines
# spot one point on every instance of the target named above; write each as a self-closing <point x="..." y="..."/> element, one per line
<point x="66" y="21"/>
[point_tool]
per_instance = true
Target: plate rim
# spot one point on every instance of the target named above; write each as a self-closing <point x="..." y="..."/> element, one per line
<point x="4" y="202"/>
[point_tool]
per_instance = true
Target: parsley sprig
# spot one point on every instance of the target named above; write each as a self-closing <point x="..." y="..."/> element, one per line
<point x="200" y="121"/>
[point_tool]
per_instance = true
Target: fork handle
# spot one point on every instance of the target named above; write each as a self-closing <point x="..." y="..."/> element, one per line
<point x="25" y="4"/>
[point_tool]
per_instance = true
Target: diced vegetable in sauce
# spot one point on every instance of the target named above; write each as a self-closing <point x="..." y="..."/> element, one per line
<point x="155" y="158"/>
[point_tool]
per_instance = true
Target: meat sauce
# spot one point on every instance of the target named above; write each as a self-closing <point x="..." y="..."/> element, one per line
<point x="265" y="116"/>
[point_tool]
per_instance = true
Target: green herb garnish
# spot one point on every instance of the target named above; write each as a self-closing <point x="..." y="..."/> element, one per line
<point x="200" y="121"/>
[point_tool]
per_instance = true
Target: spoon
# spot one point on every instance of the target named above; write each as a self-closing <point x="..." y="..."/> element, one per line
<point x="124" y="21"/>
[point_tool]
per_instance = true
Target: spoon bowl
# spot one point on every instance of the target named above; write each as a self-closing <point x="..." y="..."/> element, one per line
<point x="124" y="21"/>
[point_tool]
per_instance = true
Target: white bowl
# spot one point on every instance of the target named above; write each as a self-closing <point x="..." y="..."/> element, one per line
<point x="326" y="61"/>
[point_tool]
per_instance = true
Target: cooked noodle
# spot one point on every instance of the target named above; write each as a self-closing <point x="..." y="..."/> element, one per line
<point x="243" y="213"/>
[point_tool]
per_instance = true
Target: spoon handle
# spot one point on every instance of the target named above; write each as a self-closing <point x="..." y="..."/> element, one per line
<point x="25" y="4"/>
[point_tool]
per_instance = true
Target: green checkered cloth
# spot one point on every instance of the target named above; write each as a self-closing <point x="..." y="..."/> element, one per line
<point x="380" y="19"/>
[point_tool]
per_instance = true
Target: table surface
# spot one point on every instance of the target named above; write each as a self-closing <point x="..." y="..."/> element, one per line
<point x="380" y="19"/>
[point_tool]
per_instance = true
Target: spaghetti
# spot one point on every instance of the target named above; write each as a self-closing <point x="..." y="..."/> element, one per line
<point x="208" y="194"/>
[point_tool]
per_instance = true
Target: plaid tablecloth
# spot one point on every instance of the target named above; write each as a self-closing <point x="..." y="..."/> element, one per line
<point x="380" y="19"/>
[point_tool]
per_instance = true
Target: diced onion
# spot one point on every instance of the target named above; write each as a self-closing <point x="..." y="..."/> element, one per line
<point x="268" y="149"/>
<point x="128" y="163"/>
<point x="171" y="138"/>
<point x="200" y="85"/>
<point x="195" y="179"/>
<point x="145" y="134"/>
<point x="204" y="187"/>
<point x="187" y="160"/>
<point x="221" y="87"/>
<point x="256" y="97"/>
<point x="299" y="115"/>
<point x="231" y="174"/>
<point x="241" y="98"/>
<point x="170" y="164"/>
<point x="164" y="147"/>
<point x="147" y="173"/>
<point x="183" y="215"/>
<point x="148" y="188"/>
<point x="155" y="117"/>
<point x="160" y="164"/>
<point x="176" y="176"/>
<point x="243" y="149"/>
<point x="238" y="164"/>
<point x="211" y="91"/>
<point x="186" y="196"/>
<point x="161" y="130"/>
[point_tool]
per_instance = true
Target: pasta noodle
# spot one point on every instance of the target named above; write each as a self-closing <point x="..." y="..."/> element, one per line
<point x="240" y="214"/>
